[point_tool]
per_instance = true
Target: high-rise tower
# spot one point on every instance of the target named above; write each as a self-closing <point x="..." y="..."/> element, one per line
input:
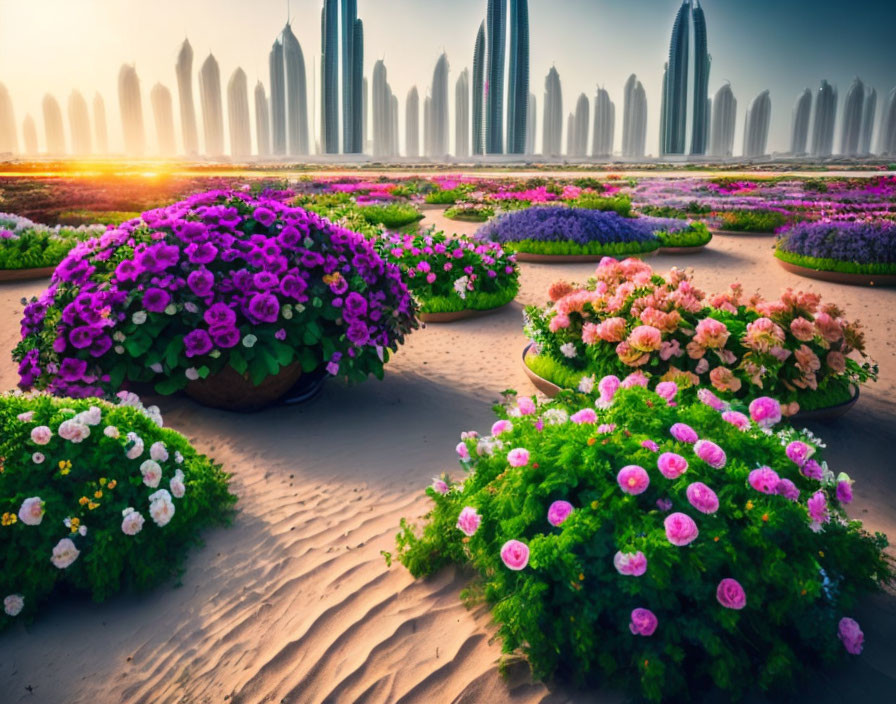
<point x="212" y="108"/>
<point x="869" y="111"/>
<point x="9" y="141"/>
<point x="724" y="117"/>
<point x="462" y="115"/>
<point x="53" y="126"/>
<point x="439" y="114"/>
<point x="352" y="77"/>
<point x="262" y="122"/>
<point x="552" y="132"/>
<point x="296" y="94"/>
<point x="634" y="119"/>
<point x="163" y="116"/>
<point x="823" y="123"/>
<point x="277" y="70"/>
<point x="799" y="136"/>
<point x="99" y="125"/>
<point x="79" y="121"/>
<point x="757" y="124"/>
<point x="700" y="121"/>
<point x="184" y="70"/>
<point x="518" y="77"/>
<point x="412" y="124"/>
<point x="238" y="115"/>
<point x="496" y="31"/>
<point x="479" y="91"/>
<point x="329" y="78"/>
<point x="131" y="106"/>
<point x="604" y="125"/>
<point x="530" y="124"/>
<point x="886" y="140"/>
<point x="851" y="131"/>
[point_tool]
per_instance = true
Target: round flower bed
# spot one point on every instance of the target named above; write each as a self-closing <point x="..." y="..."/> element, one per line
<point x="471" y="212"/>
<point x="853" y="253"/>
<point x="222" y="280"/>
<point x="31" y="251"/>
<point x="665" y="548"/>
<point x="392" y="216"/>
<point x="629" y="320"/>
<point x="561" y="233"/>
<point x="750" y="221"/>
<point x="694" y="237"/>
<point x="96" y="496"/>
<point x="452" y="277"/>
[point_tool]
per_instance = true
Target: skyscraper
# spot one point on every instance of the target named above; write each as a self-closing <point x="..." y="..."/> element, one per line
<point x="79" y="124"/>
<point x="412" y="124"/>
<point x="277" y="71"/>
<point x="756" y="125"/>
<point x="160" y="99"/>
<point x="262" y="122"/>
<point x="352" y="76"/>
<point x="439" y="114"/>
<point x="212" y="108"/>
<point x="131" y="106"/>
<point x="53" y="126"/>
<point x="238" y="115"/>
<point x="869" y="112"/>
<point x="427" y="126"/>
<point x="634" y="119"/>
<point x="700" y="122"/>
<point x="295" y="86"/>
<point x="604" y="125"/>
<point x="479" y="91"/>
<point x="496" y="31"/>
<point x="329" y="77"/>
<point x="886" y="140"/>
<point x="518" y="77"/>
<point x="462" y="115"/>
<point x="29" y="135"/>
<point x="184" y="70"/>
<point x="9" y="141"/>
<point x="552" y="133"/>
<point x="571" y="135"/>
<point x="724" y="117"/>
<point x="851" y="131"/>
<point x="799" y="136"/>
<point x="530" y="125"/>
<point x="393" y="124"/>
<point x="364" y="103"/>
<point x="823" y="123"/>
<point x="99" y="125"/>
<point x="581" y="126"/>
<point x="382" y="112"/>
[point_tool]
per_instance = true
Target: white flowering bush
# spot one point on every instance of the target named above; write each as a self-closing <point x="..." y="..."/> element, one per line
<point x="96" y="495"/>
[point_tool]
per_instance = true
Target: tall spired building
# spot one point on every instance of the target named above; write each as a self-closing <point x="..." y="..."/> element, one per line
<point x="869" y="112"/>
<point x="462" y="115"/>
<point x="886" y="140"/>
<point x="479" y="91"/>
<point x="352" y="77"/>
<point x="757" y="124"/>
<point x="329" y="76"/>
<point x="851" y="131"/>
<point x="184" y="70"/>
<point x="296" y="119"/>
<point x="634" y="119"/>
<point x="724" y="116"/>
<point x="439" y="109"/>
<point x="99" y="125"/>
<point x="823" y="123"/>
<point x="277" y="72"/>
<point x="412" y="123"/>
<point x="581" y="124"/>
<point x="552" y="133"/>
<point x="9" y="141"/>
<point x="238" y="115"/>
<point x="53" y="126"/>
<point x="384" y="114"/>
<point x="518" y="77"/>
<point x="131" y="105"/>
<point x="262" y="121"/>
<point x="604" y="125"/>
<point x="799" y="136"/>
<point x="674" y="115"/>
<point x="79" y="122"/>
<point x="530" y="124"/>
<point x="495" y="44"/>
<point x="160" y="98"/>
<point x="212" y="108"/>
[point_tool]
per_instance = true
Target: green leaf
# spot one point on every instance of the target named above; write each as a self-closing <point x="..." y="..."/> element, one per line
<point x="170" y="385"/>
<point x="238" y="361"/>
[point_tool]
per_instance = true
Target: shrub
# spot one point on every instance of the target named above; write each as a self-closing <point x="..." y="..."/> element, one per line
<point x="856" y="248"/>
<point x="391" y="216"/>
<point x="610" y="544"/>
<point x="100" y="484"/>
<point x="222" y="278"/>
<point x="695" y="235"/>
<point x="628" y="319"/>
<point x="592" y="201"/>
<point x="102" y="217"/>
<point x="751" y="220"/>
<point x="28" y="245"/>
<point x="475" y="212"/>
<point x="444" y="196"/>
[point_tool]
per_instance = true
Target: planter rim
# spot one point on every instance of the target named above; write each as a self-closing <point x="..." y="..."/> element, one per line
<point x="231" y="391"/>
<point x="576" y="258"/>
<point x="829" y="412"/>
<point x="450" y="317"/>
<point x="839" y="277"/>
<point x="548" y="388"/>
<point x="25" y="274"/>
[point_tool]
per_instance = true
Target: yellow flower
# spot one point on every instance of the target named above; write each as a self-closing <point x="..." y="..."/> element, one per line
<point x="594" y="505"/>
<point x="113" y="484"/>
<point x="64" y="467"/>
<point x="98" y="494"/>
<point x="102" y="481"/>
<point x="581" y="577"/>
<point x="83" y="500"/>
<point x="820" y="553"/>
<point x="92" y="505"/>
<point x="8" y="519"/>
<point x="749" y="506"/>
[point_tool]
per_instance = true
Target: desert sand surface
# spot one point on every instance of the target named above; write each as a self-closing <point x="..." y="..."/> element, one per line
<point x="294" y="602"/>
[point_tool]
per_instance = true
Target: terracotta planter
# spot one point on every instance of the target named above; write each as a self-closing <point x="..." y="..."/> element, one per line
<point x="26" y="274"/>
<point x="232" y="391"/>
<point x="840" y="277"/>
<point x="683" y="250"/>
<point x="575" y="258"/>
<point x="830" y="412"/>
<point x="739" y="233"/>
<point x="458" y="315"/>
<point x="548" y="388"/>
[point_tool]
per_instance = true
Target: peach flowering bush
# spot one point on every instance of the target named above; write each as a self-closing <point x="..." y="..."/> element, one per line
<point x="95" y="495"/>
<point x="642" y="327"/>
<point x="656" y="546"/>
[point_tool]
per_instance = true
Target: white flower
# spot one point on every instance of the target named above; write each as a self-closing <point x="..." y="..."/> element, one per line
<point x="64" y="553"/>
<point x="41" y="435"/>
<point x="82" y="530"/>
<point x="299" y="308"/>
<point x="137" y="447"/>
<point x="177" y="485"/>
<point x="157" y="368"/>
<point x="152" y="473"/>
<point x="191" y="307"/>
<point x="158" y="451"/>
<point x="118" y="349"/>
<point x="118" y="336"/>
<point x="286" y="312"/>
<point x="568" y="349"/>
<point x="460" y="286"/>
<point x="170" y="309"/>
<point x="26" y="416"/>
<point x="110" y="431"/>
<point x="249" y="340"/>
<point x="132" y="523"/>
<point x="155" y="415"/>
<point x="13" y="604"/>
<point x="73" y="431"/>
<point x="92" y="416"/>
<point x="586" y="384"/>
<point x="31" y="512"/>
<point x="214" y="354"/>
<point x="192" y="374"/>
<point x="555" y="416"/>
<point x="139" y="317"/>
<point x="38" y="457"/>
<point x="179" y="458"/>
<point x="161" y="507"/>
<point x="128" y="398"/>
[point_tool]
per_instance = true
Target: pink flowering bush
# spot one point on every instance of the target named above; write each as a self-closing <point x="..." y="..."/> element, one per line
<point x="628" y="319"/>
<point x="96" y="496"/>
<point x="630" y="554"/>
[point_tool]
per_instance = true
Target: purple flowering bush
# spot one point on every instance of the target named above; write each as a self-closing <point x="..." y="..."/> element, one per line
<point x="849" y="247"/>
<point x="222" y="278"/>
<point x="668" y="548"/>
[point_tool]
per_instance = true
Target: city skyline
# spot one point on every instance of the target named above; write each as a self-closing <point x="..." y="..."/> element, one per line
<point x="606" y="67"/>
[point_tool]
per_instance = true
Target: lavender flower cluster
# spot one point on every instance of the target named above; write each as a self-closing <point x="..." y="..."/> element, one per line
<point x="858" y="242"/>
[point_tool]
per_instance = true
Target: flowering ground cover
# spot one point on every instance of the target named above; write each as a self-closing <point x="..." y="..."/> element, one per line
<point x="27" y="245"/>
<point x="629" y="320"/>
<point x="668" y="548"/>
<point x="475" y="212"/>
<point x="847" y="247"/>
<point x="97" y="496"/>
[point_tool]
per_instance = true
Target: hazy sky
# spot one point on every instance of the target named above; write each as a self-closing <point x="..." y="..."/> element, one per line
<point x="784" y="45"/>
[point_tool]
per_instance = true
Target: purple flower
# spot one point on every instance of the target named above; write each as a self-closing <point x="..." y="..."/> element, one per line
<point x="643" y="622"/>
<point x="765" y="480"/>
<point x="818" y="507"/>
<point x="264" y="308"/>
<point x="358" y="333"/>
<point x="355" y="304"/>
<point x="812" y="470"/>
<point x="558" y="512"/>
<point x="684" y="433"/>
<point x="265" y="216"/>
<point x="225" y="336"/>
<point x="81" y="337"/>
<point x="155" y="300"/>
<point x="787" y="489"/>
<point x="844" y="492"/>
<point x="72" y="369"/>
<point x="197" y="342"/>
<point x="201" y="282"/>
<point x="219" y="314"/>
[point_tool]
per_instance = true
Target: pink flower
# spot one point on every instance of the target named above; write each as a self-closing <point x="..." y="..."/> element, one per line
<point x="851" y="635"/>
<point x="558" y="322"/>
<point x="737" y="419"/>
<point x="812" y="470"/>
<point x="468" y="521"/>
<point x="763" y="334"/>
<point x="802" y="329"/>
<point x="31" y="512"/>
<point x="41" y="435"/>
<point x="439" y="485"/>
<point x="518" y="457"/>
<point x="702" y="367"/>
<point x="132" y="522"/>
<point x="671" y="465"/>
<point x="650" y="445"/>
<point x="632" y="564"/>
<point x="710" y="453"/>
<point x="764" y="479"/>
<point x="684" y="433"/>
<point x="731" y="595"/>
<point x="612" y="330"/>
<point x="765" y="411"/>
<point x="711" y="333"/>
<point x="723" y="379"/>
<point x="836" y="362"/>
<point x="515" y="554"/>
<point x="26" y="417"/>
<point x="645" y="338"/>
<point x="663" y="504"/>
<point x="634" y="379"/>
<point x="643" y="622"/>
<point x="818" y="507"/>
<point x="608" y="386"/>
<point x="667" y="390"/>
<point x="501" y="426"/>
<point x="633" y="479"/>
<point x="844" y="492"/>
<point x="462" y="451"/>
<point x="798" y="452"/>
<point x="708" y="398"/>
<point x="787" y="489"/>
<point x="64" y="554"/>
<point x="558" y="512"/>
<point x="702" y="497"/>
<point x="525" y="405"/>
<point x="586" y="415"/>
<point x="680" y="529"/>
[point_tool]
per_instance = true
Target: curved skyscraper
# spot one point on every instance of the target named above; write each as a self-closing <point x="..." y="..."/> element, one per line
<point x="604" y="125"/>
<point x="462" y="115"/>
<point x="757" y="124"/>
<point x="439" y="115"/>
<point x="724" y="117"/>
<point x="495" y="43"/>
<point x="518" y="77"/>
<point x="238" y="115"/>
<point x="131" y="106"/>
<point x="582" y="127"/>
<point x="53" y="126"/>
<point x="823" y="123"/>
<point x="479" y="91"/>
<point x="99" y="125"/>
<point x="869" y="112"/>
<point x="799" y="136"/>
<point x="329" y="76"/>
<point x="700" y="120"/>
<point x="427" y="126"/>
<point x="851" y="131"/>
<point x="412" y="124"/>
<point x="212" y="109"/>
<point x="262" y="122"/>
<point x="393" y="125"/>
<point x="634" y="119"/>
<point x="160" y="98"/>
<point x="530" y="124"/>
<point x="295" y="117"/>
<point x="29" y="135"/>
<point x="79" y="123"/>
<point x="9" y="141"/>
<point x="552" y="132"/>
<point x="184" y="70"/>
<point x="886" y="140"/>
<point x="277" y="72"/>
<point x="352" y="77"/>
<point x="571" y="135"/>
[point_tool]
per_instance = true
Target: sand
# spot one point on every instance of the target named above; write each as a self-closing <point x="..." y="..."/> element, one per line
<point x="294" y="603"/>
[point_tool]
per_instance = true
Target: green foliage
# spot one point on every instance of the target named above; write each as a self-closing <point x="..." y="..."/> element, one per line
<point x="88" y="483"/>
<point x="568" y="611"/>
<point x="751" y="220"/>
<point x="593" y="201"/>
<point x="475" y="300"/>
<point x="696" y="235"/>
<point x="665" y="211"/>
<point x="845" y="267"/>
<point x="473" y="212"/>
<point x="101" y="217"/>
<point x="611" y="249"/>
<point x="445" y="197"/>
<point x="392" y="216"/>
<point x="36" y="249"/>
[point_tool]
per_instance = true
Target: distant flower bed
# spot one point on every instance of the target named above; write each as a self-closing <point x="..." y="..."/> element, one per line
<point x="851" y="248"/>
<point x="596" y="201"/>
<point x="561" y="230"/>
<point x="445" y="196"/>
<point x="27" y="245"/>
<point x="630" y="321"/>
<point x="751" y="220"/>
<point x="392" y="216"/>
<point x="448" y="274"/>
<point x="222" y="279"/>
<point x="695" y="235"/>
<point x="475" y="212"/>
<point x="102" y="217"/>
<point x="96" y="496"/>
<point x="669" y="549"/>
